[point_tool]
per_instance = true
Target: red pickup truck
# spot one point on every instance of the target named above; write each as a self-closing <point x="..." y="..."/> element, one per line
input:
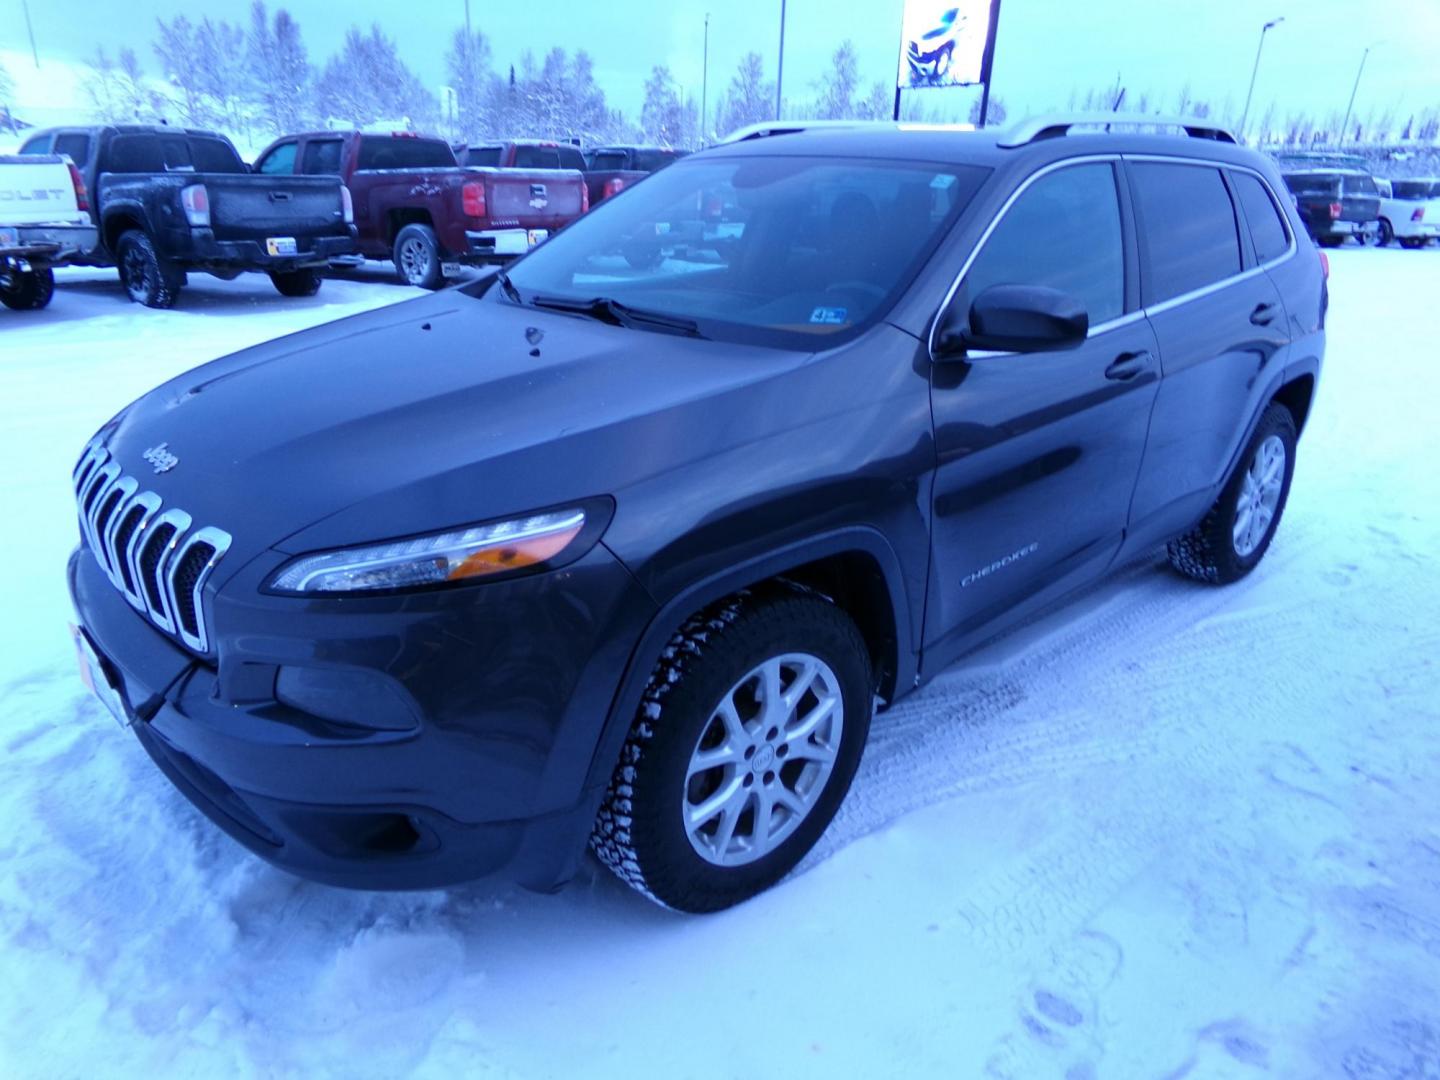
<point x="611" y="169"/>
<point x="522" y="154"/>
<point x="415" y="205"/>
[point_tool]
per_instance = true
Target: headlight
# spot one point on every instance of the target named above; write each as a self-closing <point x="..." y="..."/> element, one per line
<point x="438" y="559"/>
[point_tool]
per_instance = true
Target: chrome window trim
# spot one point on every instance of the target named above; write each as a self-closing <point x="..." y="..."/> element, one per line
<point x="1138" y="313"/>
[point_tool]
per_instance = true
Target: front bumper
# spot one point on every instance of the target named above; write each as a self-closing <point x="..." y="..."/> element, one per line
<point x="46" y="245"/>
<point x="501" y="692"/>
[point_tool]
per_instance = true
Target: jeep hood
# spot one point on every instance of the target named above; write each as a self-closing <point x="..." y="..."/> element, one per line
<point x="425" y="415"/>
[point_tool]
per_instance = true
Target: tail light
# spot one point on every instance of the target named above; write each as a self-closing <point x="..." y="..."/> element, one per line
<point x="584" y="197"/>
<point x="1419" y="214"/>
<point x="1324" y="264"/>
<point x="347" y="205"/>
<point x="196" y="201"/>
<point x="472" y="199"/>
<point x="82" y="197"/>
<point x="1336" y="210"/>
<point x="614" y="186"/>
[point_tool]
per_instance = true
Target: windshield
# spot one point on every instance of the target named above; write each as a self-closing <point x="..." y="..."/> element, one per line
<point x="772" y="250"/>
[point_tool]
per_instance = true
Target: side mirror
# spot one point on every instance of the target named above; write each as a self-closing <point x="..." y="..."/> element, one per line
<point x="1013" y="318"/>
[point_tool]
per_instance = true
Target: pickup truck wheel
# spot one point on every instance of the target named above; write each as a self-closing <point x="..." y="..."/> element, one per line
<point x="26" y="290"/>
<point x="746" y="740"/>
<point x="1384" y="233"/>
<point x="1234" y="535"/>
<point x="1411" y="243"/>
<point x="146" y="277"/>
<point x="304" y="282"/>
<point x="1331" y="241"/>
<point x="417" y="257"/>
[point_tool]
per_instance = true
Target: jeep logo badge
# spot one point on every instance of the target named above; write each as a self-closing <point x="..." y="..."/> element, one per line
<point x="161" y="457"/>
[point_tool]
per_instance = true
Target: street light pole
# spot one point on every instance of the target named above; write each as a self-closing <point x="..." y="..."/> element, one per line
<point x="780" y="65"/>
<point x="704" y="79"/>
<point x="1345" y="126"/>
<point x="1256" y="70"/>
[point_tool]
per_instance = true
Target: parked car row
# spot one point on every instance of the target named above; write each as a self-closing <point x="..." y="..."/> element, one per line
<point x="159" y="203"/>
<point x="1341" y="201"/>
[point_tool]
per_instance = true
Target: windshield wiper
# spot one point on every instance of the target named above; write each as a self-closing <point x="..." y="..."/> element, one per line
<point x="608" y="309"/>
<point x="508" y="287"/>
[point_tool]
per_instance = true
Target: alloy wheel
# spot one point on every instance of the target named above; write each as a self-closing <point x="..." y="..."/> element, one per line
<point x="763" y="759"/>
<point x="1259" y="496"/>
<point x="414" y="260"/>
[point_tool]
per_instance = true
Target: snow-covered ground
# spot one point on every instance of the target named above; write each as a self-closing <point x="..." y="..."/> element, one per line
<point x="1168" y="830"/>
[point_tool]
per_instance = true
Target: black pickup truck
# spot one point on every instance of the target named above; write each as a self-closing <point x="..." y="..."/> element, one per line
<point x="171" y="200"/>
<point x="1335" y="203"/>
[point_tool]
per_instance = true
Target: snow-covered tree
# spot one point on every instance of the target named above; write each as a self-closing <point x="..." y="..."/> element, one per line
<point x="468" y="66"/>
<point x="995" y="114"/>
<point x="838" y="85"/>
<point x="7" y="89"/>
<point x="279" y="69"/>
<point x="749" y="99"/>
<point x="367" y="81"/>
<point x="663" y="117"/>
<point x="178" y="53"/>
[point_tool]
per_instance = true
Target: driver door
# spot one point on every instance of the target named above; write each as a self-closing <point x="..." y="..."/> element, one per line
<point x="1038" y="453"/>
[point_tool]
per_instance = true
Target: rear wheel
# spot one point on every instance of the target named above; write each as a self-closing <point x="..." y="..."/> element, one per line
<point x="1233" y="537"/>
<point x="26" y="290"/>
<point x="305" y="282"/>
<point x="1411" y="243"/>
<point x="1331" y="241"/>
<point x="1384" y="234"/>
<point x="746" y="741"/>
<point x="417" y="257"/>
<point x="149" y="279"/>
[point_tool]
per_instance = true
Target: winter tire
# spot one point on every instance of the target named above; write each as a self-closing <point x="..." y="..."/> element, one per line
<point x="304" y="282"/>
<point x="1234" y="535"/>
<point x="1411" y="243"/>
<point x="26" y="290"/>
<point x="417" y="257"/>
<point x="148" y="279"/>
<point x="1331" y="241"/>
<point x="747" y="738"/>
<point x="1384" y="233"/>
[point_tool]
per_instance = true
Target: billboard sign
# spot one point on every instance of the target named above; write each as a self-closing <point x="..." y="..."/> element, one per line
<point x="942" y="42"/>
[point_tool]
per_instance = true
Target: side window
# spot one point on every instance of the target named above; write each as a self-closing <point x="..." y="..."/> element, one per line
<point x="279" y="161"/>
<point x="177" y="154"/>
<point x="571" y="158"/>
<point x="76" y="144"/>
<point x="134" y="154"/>
<point x="40" y="144"/>
<point x="209" y="155"/>
<point x="536" y="157"/>
<point x="1063" y="232"/>
<point x="1267" y="228"/>
<point x="1187" y="227"/>
<point x="322" y="157"/>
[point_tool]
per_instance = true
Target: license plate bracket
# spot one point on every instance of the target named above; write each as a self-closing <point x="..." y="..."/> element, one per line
<point x="537" y="236"/>
<point x="281" y="245"/>
<point x="96" y="677"/>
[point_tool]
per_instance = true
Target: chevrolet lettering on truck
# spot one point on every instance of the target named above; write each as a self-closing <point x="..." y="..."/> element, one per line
<point x="628" y="557"/>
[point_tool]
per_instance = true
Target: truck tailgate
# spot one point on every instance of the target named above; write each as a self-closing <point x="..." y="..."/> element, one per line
<point x="533" y="198"/>
<point x="253" y="207"/>
<point x="37" y="190"/>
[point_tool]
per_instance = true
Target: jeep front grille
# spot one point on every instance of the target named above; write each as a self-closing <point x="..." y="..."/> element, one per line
<point x="151" y="554"/>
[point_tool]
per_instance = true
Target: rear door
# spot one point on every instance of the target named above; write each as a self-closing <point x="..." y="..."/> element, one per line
<point x="1038" y="453"/>
<point x="1222" y="332"/>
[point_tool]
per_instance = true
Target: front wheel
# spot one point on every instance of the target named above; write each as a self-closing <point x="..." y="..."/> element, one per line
<point x="1234" y="535"/>
<point x="417" y="257"/>
<point x="26" y="290"/>
<point x="1412" y="243"/>
<point x="304" y="282"/>
<point x="746" y="741"/>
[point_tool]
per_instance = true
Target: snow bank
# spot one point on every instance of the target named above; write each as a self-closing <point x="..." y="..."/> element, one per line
<point x="1167" y="830"/>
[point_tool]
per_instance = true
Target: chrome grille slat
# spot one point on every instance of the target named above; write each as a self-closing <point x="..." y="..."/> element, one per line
<point x="108" y="502"/>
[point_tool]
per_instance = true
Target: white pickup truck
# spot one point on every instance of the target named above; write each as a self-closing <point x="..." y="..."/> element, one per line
<point x="1409" y="212"/>
<point x="44" y="222"/>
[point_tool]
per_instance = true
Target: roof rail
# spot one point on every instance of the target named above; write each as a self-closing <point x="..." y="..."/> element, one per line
<point x="1054" y="126"/>
<point x="790" y="127"/>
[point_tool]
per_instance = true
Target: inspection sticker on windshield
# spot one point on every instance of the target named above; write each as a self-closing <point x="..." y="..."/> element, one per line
<point x="829" y="316"/>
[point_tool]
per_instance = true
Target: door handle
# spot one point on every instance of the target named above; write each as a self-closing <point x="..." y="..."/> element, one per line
<point x="1127" y="365"/>
<point x="1263" y="315"/>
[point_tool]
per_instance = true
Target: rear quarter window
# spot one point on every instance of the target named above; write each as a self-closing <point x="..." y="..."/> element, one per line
<point x="76" y="144"/>
<point x="536" y="157"/>
<point x="322" y="157"/>
<point x="209" y="155"/>
<point x="39" y="144"/>
<point x="135" y="154"/>
<point x="1267" y="228"/>
<point x="1188" y="232"/>
<point x="571" y="158"/>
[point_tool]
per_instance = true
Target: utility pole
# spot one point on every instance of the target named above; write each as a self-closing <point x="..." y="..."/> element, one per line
<point x="29" y="29"/>
<point x="467" y="20"/>
<point x="705" y="80"/>
<point x="1345" y="127"/>
<point x="780" y="65"/>
<point x="1256" y="70"/>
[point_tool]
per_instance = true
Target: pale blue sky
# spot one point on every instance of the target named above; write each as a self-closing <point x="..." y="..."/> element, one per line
<point x="1045" y="46"/>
